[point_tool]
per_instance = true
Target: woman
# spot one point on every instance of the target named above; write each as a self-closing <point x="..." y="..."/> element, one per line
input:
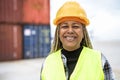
<point x="72" y="56"/>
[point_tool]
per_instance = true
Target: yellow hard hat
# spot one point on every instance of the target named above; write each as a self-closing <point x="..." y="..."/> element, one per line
<point x="71" y="11"/>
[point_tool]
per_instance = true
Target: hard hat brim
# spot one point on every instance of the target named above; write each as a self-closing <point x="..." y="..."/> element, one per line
<point x="81" y="20"/>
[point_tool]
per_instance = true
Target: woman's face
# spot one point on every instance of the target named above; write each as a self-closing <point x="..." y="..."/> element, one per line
<point x="71" y="35"/>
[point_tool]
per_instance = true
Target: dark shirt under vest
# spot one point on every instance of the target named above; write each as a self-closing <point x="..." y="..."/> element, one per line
<point x="72" y="57"/>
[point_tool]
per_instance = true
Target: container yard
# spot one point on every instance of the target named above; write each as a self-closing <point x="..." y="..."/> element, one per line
<point x="24" y="29"/>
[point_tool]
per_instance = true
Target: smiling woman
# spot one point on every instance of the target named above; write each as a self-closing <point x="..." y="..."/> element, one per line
<point x="71" y="35"/>
<point x="72" y="52"/>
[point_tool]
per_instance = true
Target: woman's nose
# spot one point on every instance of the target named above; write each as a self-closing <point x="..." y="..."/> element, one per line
<point x="70" y="30"/>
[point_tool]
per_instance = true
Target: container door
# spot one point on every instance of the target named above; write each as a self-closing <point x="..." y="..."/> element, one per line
<point x="44" y="40"/>
<point x="10" y="42"/>
<point x="30" y="41"/>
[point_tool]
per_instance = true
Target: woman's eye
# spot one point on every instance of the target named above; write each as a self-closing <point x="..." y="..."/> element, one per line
<point x="75" y="26"/>
<point x="64" y="27"/>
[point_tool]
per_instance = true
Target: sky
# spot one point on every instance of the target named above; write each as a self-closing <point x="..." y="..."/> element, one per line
<point x="104" y="16"/>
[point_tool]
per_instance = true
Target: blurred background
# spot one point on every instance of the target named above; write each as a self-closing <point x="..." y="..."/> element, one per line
<point x="27" y="32"/>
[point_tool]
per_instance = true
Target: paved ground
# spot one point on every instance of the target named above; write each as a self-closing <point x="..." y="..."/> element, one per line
<point x="30" y="69"/>
<point x="111" y="49"/>
<point x="20" y="70"/>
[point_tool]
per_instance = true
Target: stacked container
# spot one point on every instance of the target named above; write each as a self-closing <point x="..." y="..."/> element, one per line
<point x="44" y="40"/>
<point x="10" y="42"/>
<point x="30" y="41"/>
<point x="10" y="30"/>
<point x="36" y="41"/>
<point x="25" y="11"/>
<point x="36" y="11"/>
<point x="24" y="29"/>
<point x="36" y="16"/>
<point x="11" y="11"/>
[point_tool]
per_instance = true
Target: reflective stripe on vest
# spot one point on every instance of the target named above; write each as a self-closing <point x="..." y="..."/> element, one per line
<point x="88" y="67"/>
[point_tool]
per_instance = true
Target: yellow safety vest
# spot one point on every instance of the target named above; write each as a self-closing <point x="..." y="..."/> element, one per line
<point x="88" y="67"/>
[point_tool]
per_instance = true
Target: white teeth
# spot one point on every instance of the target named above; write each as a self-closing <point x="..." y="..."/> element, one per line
<point x="70" y="38"/>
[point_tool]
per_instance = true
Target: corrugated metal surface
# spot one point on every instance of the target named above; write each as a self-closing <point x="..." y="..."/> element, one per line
<point x="36" y="41"/>
<point x="11" y="11"/>
<point x="30" y="41"/>
<point x="44" y="40"/>
<point x="10" y="42"/>
<point x="36" y="11"/>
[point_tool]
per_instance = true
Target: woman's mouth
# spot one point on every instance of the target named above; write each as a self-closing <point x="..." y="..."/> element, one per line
<point x="70" y="38"/>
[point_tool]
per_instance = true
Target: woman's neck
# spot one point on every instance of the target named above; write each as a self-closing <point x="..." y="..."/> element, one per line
<point x="72" y="54"/>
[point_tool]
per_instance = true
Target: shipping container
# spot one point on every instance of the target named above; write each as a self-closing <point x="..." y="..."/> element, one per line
<point x="44" y="40"/>
<point x="30" y="41"/>
<point x="37" y="41"/>
<point x="11" y="11"/>
<point x="10" y="42"/>
<point x="36" y="11"/>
